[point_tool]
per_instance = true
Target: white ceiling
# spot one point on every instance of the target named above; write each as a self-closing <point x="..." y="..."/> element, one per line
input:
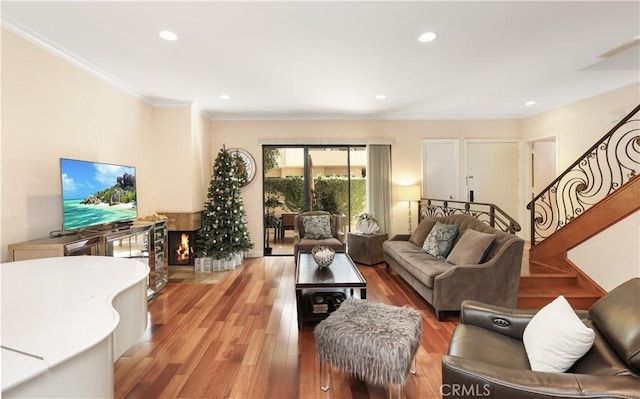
<point x="329" y="59"/>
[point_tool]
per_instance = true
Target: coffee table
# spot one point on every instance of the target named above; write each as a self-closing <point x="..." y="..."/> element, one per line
<point x="340" y="276"/>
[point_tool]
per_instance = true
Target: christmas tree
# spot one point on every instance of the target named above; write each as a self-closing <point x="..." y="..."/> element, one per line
<point x="224" y="226"/>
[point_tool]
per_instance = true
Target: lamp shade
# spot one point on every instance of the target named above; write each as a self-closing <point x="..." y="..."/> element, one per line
<point x="409" y="193"/>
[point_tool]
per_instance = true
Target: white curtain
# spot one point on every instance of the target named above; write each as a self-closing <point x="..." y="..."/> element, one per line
<point x="379" y="192"/>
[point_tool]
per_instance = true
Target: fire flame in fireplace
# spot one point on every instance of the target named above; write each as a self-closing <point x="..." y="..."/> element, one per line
<point x="183" y="251"/>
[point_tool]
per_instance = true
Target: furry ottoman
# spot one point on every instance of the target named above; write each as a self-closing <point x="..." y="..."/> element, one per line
<point x="373" y="341"/>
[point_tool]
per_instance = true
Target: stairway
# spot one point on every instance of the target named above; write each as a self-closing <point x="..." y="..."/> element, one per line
<point x="547" y="272"/>
<point x="541" y="284"/>
<point x="599" y="189"/>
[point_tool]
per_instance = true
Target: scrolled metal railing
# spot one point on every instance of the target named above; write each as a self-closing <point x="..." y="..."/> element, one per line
<point x="488" y="213"/>
<point x="602" y="169"/>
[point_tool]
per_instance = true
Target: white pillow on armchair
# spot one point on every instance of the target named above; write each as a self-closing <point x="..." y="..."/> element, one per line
<point x="556" y="337"/>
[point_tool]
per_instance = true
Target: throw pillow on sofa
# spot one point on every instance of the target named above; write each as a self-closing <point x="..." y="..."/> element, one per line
<point x="440" y="240"/>
<point x="556" y="337"/>
<point x="317" y="227"/>
<point x="418" y="236"/>
<point x="470" y="248"/>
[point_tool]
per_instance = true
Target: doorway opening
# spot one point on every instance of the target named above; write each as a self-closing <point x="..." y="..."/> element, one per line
<point x="493" y="173"/>
<point x="300" y="178"/>
<point x="541" y="169"/>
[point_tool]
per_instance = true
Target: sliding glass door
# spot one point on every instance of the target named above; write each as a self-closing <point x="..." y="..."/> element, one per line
<point x="302" y="178"/>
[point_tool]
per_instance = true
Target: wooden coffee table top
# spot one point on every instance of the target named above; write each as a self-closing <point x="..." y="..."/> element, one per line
<point x="342" y="273"/>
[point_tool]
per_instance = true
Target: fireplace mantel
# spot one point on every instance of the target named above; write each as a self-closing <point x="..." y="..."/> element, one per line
<point x="183" y="221"/>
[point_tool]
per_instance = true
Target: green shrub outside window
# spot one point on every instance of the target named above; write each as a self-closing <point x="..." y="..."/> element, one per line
<point x="331" y="193"/>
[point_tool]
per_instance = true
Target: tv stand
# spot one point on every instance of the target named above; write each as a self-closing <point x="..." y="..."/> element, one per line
<point x="107" y="228"/>
<point x="142" y="240"/>
<point x="119" y="226"/>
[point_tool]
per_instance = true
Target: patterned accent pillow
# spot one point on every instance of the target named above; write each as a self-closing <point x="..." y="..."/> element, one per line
<point x="440" y="240"/>
<point x="316" y="227"/>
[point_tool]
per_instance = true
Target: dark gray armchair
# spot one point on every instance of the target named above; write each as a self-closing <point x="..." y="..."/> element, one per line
<point x="487" y="358"/>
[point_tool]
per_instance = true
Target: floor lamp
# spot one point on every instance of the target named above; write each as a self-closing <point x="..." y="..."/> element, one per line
<point x="409" y="193"/>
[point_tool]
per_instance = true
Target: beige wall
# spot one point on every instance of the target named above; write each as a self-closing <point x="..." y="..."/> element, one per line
<point x="201" y="159"/>
<point x="53" y="109"/>
<point x="406" y="154"/>
<point x="613" y="256"/>
<point x="579" y="125"/>
<point x="172" y="146"/>
<point x="179" y="157"/>
<point x="181" y="146"/>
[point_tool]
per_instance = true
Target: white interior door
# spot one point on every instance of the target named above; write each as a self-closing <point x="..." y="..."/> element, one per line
<point x="440" y="169"/>
<point x="493" y="174"/>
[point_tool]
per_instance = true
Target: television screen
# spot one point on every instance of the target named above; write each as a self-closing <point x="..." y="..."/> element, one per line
<point x="95" y="193"/>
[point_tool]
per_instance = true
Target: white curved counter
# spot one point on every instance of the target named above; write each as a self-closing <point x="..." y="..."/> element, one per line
<point x="66" y="320"/>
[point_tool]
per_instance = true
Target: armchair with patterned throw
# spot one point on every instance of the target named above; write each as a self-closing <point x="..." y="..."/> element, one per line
<point x="318" y="228"/>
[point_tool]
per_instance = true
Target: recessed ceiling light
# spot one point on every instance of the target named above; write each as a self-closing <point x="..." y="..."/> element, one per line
<point x="225" y="97"/>
<point x="168" y="35"/>
<point x="380" y="97"/>
<point x="427" y="37"/>
<point x="529" y="103"/>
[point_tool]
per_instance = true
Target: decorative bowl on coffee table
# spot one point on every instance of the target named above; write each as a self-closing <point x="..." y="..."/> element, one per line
<point x="323" y="255"/>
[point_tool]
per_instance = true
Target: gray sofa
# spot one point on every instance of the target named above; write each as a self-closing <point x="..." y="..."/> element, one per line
<point x="495" y="280"/>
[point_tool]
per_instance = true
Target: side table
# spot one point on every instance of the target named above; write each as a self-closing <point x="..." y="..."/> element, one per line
<point x="366" y="248"/>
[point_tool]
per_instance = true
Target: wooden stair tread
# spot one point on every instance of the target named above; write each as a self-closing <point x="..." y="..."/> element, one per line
<point x="546" y="275"/>
<point x="541" y="268"/>
<point x="539" y="303"/>
<point x="574" y="292"/>
<point x="541" y="284"/>
<point x="533" y="294"/>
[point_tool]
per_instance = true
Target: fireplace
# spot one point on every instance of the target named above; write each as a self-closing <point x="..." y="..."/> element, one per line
<point x="181" y="248"/>
<point x="182" y="227"/>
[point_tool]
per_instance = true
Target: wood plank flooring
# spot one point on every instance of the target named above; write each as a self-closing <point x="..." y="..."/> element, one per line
<point x="238" y="338"/>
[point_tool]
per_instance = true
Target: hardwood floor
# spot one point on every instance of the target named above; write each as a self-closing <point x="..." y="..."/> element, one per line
<point x="238" y="338"/>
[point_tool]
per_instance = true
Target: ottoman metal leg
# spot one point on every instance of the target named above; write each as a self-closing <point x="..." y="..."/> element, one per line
<point x="395" y="391"/>
<point x="324" y="376"/>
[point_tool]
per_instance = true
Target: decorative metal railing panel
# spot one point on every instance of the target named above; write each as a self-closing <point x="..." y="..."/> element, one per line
<point x="488" y="213"/>
<point x="604" y="168"/>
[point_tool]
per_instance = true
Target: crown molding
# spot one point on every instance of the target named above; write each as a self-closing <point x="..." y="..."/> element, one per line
<point x="291" y="117"/>
<point x="619" y="84"/>
<point x="168" y="103"/>
<point x="327" y="141"/>
<point x="408" y="117"/>
<point x="59" y="51"/>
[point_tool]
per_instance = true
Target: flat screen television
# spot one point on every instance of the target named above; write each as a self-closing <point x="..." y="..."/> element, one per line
<point x="95" y="193"/>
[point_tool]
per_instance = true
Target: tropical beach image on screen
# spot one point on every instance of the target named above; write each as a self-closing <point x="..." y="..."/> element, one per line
<point x="96" y="193"/>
